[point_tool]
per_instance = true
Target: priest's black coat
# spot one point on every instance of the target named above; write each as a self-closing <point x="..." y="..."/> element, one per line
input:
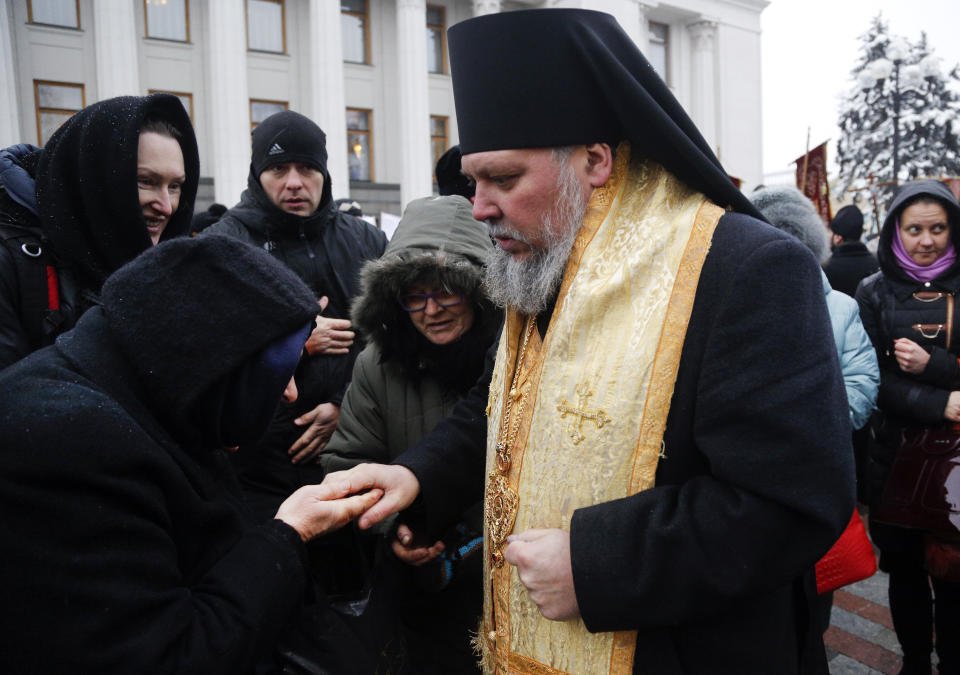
<point x="713" y="566"/>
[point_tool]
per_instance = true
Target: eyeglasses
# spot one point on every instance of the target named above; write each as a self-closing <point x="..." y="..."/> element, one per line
<point x="415" y="302"/>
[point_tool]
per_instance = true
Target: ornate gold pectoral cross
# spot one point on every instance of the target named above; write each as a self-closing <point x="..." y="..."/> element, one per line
<point x="580" y="413"/>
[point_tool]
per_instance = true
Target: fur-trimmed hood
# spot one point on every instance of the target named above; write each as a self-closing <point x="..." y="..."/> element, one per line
<point x="437" y="242"/>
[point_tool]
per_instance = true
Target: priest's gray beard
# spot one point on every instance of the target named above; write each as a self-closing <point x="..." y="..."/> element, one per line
<point x="529" y="285"/>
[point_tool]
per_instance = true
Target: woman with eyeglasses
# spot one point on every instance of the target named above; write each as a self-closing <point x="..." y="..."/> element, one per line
<point x="428" y="326"/>
<point x="908" y="311"/>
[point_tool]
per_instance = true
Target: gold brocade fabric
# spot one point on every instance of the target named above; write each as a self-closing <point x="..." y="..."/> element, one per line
<point x="589" y="406"/>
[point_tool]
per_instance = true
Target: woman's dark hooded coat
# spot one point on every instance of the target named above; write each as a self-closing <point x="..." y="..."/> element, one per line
<point x="890" y="311"/>
<point x="125" y="545"/>
<point x="87" y="205"/>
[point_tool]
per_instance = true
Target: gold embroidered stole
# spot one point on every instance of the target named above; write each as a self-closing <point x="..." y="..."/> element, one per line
<point x="580" y="420"/>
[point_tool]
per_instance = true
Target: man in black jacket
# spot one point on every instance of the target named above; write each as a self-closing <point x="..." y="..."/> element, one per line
<point x="851" y="261"/>
<point x="288" y="210"/>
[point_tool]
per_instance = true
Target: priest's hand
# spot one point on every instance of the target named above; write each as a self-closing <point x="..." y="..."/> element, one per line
<point x="542" y="559"/>
<point x="411" y="552"/>
<point x="400" y="487"/>
<point x="315" y="509"/>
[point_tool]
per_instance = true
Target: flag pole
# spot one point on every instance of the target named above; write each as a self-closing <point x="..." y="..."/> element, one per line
<point x="806" y="158"/>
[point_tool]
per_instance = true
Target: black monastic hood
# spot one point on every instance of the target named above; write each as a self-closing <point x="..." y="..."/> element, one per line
<point x="189" y="312"/>
<point x="932" y="188"/>
<point x="87" y="184"/>
<point x="555" y="77"/>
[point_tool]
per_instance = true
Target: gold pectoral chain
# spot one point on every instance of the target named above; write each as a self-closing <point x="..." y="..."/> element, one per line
<point x="502" y="500"/>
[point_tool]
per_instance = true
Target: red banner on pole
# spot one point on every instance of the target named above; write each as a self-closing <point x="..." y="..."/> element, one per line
<point x="812" y="180"/>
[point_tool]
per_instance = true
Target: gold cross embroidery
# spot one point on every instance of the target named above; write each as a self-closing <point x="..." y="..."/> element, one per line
<point x="599" y="417"/>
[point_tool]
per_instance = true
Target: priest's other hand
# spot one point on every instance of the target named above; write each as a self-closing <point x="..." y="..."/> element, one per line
<point x="400" y="487"/>
<point x="316" y="509"/>
<point x="411" y="552"/>
<point x="542" y="559"/>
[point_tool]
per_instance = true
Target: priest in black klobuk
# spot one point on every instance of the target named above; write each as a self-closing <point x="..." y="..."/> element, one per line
<point x="657" y="440"/>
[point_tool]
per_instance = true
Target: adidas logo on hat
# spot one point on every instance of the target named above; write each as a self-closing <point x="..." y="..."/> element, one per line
<point x="275" y="150"/>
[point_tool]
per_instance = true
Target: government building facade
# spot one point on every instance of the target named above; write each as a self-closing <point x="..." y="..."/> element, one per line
<point x="373" y="74"/>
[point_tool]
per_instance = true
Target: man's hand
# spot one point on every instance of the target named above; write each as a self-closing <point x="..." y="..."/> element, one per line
<point x="408" y="552"/>
<point x="331" y="336"/>
<point x="321" y="422"/>
<point x="316" y="509"/>
<point x="400" y="487"/>
<point x="952" y="411"/>
<point x="542" y="559"/>
<point x="911" y="357"/>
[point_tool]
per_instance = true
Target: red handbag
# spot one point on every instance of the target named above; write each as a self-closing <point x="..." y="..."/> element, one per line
<point x="850" y="559"/>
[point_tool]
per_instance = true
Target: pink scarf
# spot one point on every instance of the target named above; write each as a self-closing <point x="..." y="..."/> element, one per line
<point x="917" y="271"/>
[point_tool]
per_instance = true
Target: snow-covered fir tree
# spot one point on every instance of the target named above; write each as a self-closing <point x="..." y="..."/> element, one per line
<point x="901" y="114"/>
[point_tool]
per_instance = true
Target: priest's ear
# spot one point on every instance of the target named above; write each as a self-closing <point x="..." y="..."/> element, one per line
<point x="599" y="163"/>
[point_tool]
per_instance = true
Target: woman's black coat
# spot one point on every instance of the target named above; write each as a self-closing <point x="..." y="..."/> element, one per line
<point x="125" y="544"/>
<point x="890" y="310"/>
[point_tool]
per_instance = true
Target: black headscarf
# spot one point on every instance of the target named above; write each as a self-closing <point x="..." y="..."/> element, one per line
<point x="556" y="77"/>
<point x="87" y="184"/>
<point x="202" y="321"/>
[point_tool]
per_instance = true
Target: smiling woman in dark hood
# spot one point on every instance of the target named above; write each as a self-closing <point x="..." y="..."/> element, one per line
<point x="87" y="184"/>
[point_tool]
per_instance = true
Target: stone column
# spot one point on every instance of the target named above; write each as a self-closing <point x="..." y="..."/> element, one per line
<point x="643" y="32"/>
<point x="325" y="98"/>
<point x="703" y="99"/>
<point x="115" y="42"/>
<point x="9" y="110"/>
<point x="416" y="162"/>
<point x="225" y="74"/>
<point x="481" y="7"/>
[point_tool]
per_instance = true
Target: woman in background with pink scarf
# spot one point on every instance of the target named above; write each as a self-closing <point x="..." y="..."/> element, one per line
<point x="908" y="310"/>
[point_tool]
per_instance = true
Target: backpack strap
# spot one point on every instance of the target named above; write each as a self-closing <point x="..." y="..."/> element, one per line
<point x="38" y="281"/>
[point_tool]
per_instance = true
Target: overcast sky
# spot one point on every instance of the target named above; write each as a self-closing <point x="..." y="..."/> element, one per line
<point x="809" y="48"/>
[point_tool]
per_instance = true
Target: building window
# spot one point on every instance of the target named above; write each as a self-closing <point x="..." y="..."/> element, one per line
<point x="358" y="144"/>
<point x="355" y="29"/>
<point x="265" y="26"/>
<point x="261" y="109"/>
<point x="436" y="43"/>
<point x="438" y="136"/>
<point x="658" y="53"/>
<point x="185" y="99"/>
<point x="64" y="13"/>
<point x="56" y="102"/>
<point x="167" y="19"/>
